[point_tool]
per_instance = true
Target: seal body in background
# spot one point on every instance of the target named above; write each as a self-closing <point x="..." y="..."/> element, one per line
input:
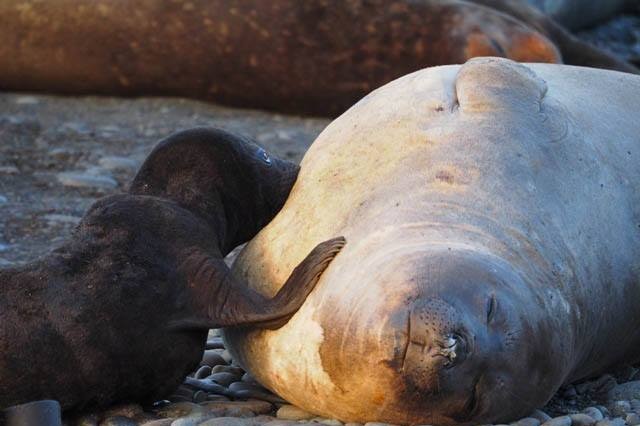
<point x="577" y="14"/>
<point x="305" y="57"/>
<point x="493" y="218"/>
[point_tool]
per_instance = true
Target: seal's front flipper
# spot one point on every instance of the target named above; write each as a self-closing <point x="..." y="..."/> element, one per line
<point x="224" y="301"/>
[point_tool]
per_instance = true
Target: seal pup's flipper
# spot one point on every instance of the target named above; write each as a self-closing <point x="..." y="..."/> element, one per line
<point x="225" y="301"/>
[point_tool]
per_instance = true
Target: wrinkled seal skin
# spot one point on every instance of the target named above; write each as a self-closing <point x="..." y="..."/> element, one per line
<point x="121" y="311"/>
<point x="314" y="57"/>
<point x="493" y="218"/>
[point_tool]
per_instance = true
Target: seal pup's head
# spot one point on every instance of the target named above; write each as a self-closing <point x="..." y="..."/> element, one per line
<point x="224" y="177"/>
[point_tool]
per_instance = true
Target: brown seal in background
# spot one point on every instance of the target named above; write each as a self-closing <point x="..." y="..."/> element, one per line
<point x="313" y="57"/>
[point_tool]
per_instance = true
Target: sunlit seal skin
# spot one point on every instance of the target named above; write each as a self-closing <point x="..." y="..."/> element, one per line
<point x="313" y="57"/>
<point x="121" y="312"/>
<point x="574" y="51"/>
<point x="576" y="14"/>
<point x="493" y="218"/>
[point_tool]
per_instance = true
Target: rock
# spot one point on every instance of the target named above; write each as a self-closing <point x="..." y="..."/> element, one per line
<point x="9" y="170"/>
<point x="216" y="397"/>
<point x="291" y="412"/>
<point x="540" y="415"/>
<point x="633" y="419"/>
<point x="118" y="163"/>
<point x="237" y="371"/>
<point x="635" y="404"/>
<point x="377" y="424"/>
<point x="62" y="218"/>
<point x="359" y="424"/>
<point x="118" y="421"/>
<point x="248" y="378"/>
<point x="160" y="422"/>
<point x="200" y="396"/>
<point x="225" y="379"/>
<point x="4" y="247"/>
<point x="325" y="421"/>
<point x="230" y="421"/>
<point x="203" y="372"/>
<point x="179" y="409"/>
<point x="611" y="422"/>
<point x="3" y="199"/>
<point x="255" y="406"/>
<point x="191" y="420"/>
<point x="283" y="423"/>
<point x="625" y="391"/>
<point x="215" y="343"/>
<point x="27" y="100"/>
<point x="206" y="385"/>
<point x="604" y="384"/>
<point x="620" y="408"/>
<point x="582" y="419"/>
<point x="124" y="410"/>
<point x="527" y="421"/>
<point x="226" y="355"/>
<point x="558" y="421"/>
<point x="85" y="180"/>
<point x="212" y="358"/>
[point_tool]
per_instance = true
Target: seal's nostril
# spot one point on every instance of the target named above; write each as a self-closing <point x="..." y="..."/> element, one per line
<point x="453" y="349"/>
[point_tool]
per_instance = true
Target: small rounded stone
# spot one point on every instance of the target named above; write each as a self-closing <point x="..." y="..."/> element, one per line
<point x="215" y="343"/>
<point x="620" y="408"/>
<point x="200" y="396"/>
<point x="611" y="422"/>
<point x="582" y="419"/>
<point x="328" y="422"/>
<point x="237" y="371"/>
<point x="291" y="412"/>
<point x="635" y="404"/>
<point x="377" y="424"/>
<point x="540" y="415"/>
<point x="633" y="419"/>
<point x="527" y="421"/>
<point x="254" y="405"/>
<point x="229" y="421"/>
<point x="202" y="372"/>
<point x="558" y="421"/>
<point x="159" y="422"/>
<point x="212" y="358"/>
<point x="85" y="180"/>
<point x="179" y="409"/>
<point x="226" y="355"/>
<point x="225" y="379"/>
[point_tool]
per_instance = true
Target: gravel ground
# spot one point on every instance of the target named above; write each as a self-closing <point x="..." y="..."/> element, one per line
<point x="58" y="155"/>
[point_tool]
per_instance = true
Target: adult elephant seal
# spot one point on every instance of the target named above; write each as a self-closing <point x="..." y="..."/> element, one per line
<point x="493" y="218"/>
<point x="314" y="57"/>
<point x="123" y="309"/>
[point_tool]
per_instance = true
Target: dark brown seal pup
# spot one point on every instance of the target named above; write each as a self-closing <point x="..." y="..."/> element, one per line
<point x="121" y="311"/>
<point x="295" y="56"/>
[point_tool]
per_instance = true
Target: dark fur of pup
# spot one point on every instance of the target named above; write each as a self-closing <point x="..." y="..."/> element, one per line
<point x="121" y="311"/>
